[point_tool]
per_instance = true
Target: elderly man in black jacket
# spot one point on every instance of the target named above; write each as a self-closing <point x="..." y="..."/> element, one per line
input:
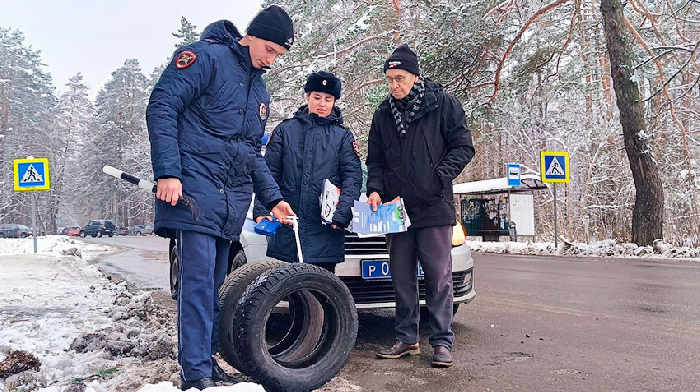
<point x="418" y="143"/>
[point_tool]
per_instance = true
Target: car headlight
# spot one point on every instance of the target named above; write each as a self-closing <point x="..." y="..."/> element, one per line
<point x="458" y="237"/>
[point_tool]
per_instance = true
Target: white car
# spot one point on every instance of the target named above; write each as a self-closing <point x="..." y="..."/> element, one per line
<point x="365" y="270"/>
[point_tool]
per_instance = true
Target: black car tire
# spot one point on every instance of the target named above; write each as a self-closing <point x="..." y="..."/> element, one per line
<point x="330" y="351"/>
<point x="99" y="234"/>
<point x="110" y="235"/>
<point x="23" y="235"/>
<point x="82" y="234"/>
<point x="138" y="233"/>
<point x="229" y="294"/>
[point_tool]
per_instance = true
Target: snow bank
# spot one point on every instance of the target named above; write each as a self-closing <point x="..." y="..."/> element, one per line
<point x="606" y="248"/>
<point x="88" y="333"/>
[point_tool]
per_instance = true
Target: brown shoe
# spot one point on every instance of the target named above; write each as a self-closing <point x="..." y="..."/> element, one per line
<point x="442" y="357"/>
<point x="398" y="350"/>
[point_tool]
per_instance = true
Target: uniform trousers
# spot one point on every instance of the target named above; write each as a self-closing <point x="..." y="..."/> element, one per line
<point x="203" y="263"/>
<point x="432" y="246"/>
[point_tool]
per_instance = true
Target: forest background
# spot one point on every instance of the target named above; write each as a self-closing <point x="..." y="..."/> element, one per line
<point x="532" y="75"/>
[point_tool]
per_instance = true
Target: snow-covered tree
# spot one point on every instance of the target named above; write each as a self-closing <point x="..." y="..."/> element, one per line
<point x="26" y="103"/>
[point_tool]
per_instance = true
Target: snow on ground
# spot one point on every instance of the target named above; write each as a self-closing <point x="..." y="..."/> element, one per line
<point x="606" y="248"/>
<point x="93" y="334"/>
<point x="89" y="333"/>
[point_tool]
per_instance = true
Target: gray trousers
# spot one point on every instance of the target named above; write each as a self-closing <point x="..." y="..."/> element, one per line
<point x="432" y="246"/>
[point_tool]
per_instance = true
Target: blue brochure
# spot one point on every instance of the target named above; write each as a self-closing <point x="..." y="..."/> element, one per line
<point x="389" y="218"/>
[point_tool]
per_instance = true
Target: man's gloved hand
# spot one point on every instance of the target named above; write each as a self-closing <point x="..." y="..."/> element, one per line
<point x="281" y="211"/>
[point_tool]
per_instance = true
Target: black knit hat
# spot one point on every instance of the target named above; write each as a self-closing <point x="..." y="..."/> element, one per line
<point x="274" y="25"/>
<point x="403" y="58"/>
<point x="323" y="82"/>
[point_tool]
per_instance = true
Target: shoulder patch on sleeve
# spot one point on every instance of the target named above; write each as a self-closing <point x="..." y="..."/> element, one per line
<point x="185" y="59"/>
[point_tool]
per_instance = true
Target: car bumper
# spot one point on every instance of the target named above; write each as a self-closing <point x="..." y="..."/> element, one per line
<point x="379" y="293"/>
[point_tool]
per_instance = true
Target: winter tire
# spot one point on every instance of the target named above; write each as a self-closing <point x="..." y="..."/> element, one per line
<point x="99" y="234"/>
<point x="229" y="294"/>
<point x="82" y="234"/>
<point x="332" y="343"/>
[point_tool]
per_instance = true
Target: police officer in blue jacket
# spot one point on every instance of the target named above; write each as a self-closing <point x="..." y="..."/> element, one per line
<point x="303" y="152"/>
<point x="206" y="118"/>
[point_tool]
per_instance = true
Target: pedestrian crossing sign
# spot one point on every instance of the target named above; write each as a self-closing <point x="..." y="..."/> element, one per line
<point x="32" y="174"/>
<point x="554" y="166"/>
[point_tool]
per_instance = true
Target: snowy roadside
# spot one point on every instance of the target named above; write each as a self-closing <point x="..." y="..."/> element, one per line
<point x="607" y="248"/>
<point x="87" y="332"/>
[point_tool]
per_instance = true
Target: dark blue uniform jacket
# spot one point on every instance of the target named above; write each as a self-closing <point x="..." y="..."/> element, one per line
<point x="304" y="151"/>
<point x="205" y="124"/>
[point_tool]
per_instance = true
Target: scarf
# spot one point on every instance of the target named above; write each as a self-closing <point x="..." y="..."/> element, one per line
<point x="409" y="105"/>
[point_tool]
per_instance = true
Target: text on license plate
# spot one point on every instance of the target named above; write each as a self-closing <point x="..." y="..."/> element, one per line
<point x="376" y="269"/>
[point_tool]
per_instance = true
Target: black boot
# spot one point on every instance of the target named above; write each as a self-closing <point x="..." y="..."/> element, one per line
<point x="200" y="384"/>
<point x="219" y="375"/>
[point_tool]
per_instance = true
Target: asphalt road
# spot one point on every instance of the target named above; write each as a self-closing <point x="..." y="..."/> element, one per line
<point x="537" y="324"/>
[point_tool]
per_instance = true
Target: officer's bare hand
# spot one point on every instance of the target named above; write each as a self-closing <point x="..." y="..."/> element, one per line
<point x="374" y="200"/>
<point x="169" y="190"/>
<point x="281" y="211"/>
<point x="261" y="217"/>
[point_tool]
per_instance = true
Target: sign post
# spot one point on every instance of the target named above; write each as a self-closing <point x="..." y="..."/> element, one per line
<point x="554" y="168"/>
<point x="32" y="174"/>
<point x="513" y="174"/>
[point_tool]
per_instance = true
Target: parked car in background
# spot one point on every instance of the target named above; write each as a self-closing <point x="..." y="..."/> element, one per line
<point x="12" y="230"/>
<point x="121" y="230"/>
<point x="141" y="230"/>
<point x="73" y="231"/>
<point x="98" y="228"/>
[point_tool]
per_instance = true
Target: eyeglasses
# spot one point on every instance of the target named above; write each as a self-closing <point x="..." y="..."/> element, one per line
<point x="398" y="79"/>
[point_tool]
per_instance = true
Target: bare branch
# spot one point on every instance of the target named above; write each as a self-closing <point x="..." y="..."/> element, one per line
<point x="382" y="36"/>
<point x="533" y="18"/>
<point x="663" y="88"/>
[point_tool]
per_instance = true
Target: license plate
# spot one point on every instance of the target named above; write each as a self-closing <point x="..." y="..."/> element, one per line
<point x="379" y="269"/>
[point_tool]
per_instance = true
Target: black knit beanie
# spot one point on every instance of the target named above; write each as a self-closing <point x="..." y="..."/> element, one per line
<point x="323" y="82"/>
<point x="274" y="25"/>
<point x="403" y="58"/>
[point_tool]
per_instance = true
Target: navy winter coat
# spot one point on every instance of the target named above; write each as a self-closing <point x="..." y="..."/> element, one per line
<point x="421" y="165"/>
<point x="304" y="151"/>
<point x="205" y="124"/>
